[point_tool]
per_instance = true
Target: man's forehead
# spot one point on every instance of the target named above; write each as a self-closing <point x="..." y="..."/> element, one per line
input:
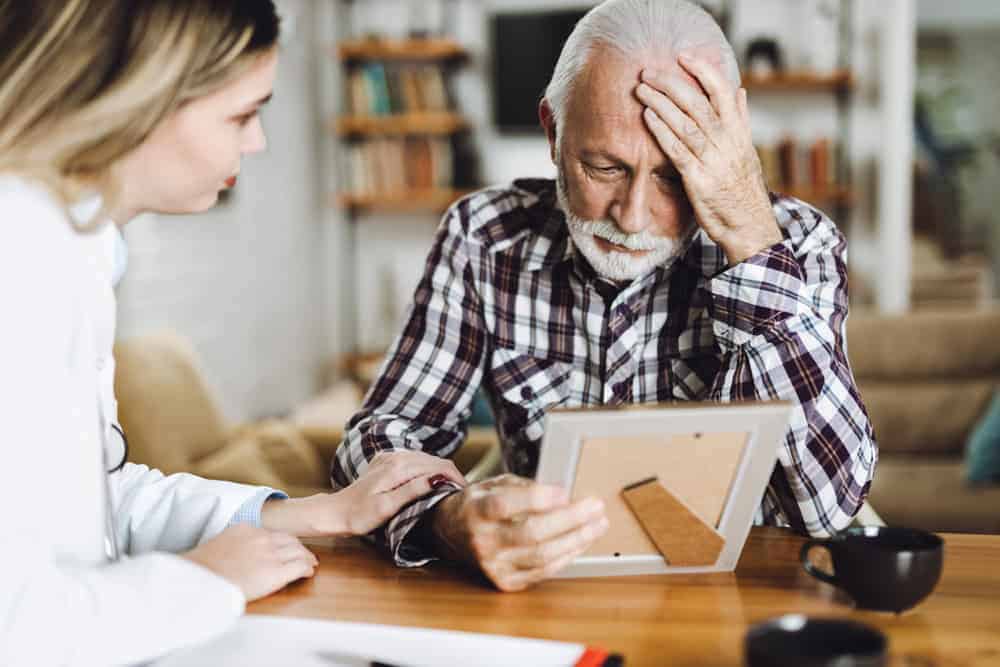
<point x="611" y="77"/>
<point x="604" y="107"/>
<point x="604" y="113"/>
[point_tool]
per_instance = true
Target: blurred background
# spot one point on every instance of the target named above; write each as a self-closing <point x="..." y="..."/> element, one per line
<point x="280" y="302"/>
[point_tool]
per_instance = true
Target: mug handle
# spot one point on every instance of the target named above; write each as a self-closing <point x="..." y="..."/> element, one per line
<point x="812" y="569"/>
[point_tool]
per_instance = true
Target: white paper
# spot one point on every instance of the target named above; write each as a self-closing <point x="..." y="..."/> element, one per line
<point x="259" y="641"/>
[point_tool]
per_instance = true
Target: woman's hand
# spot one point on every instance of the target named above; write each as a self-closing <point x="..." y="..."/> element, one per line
<point x="255" y="560"/>
<point x="391" y="481"/>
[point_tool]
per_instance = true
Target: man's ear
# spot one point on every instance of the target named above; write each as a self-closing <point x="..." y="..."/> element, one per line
<point x="548" y="121"/>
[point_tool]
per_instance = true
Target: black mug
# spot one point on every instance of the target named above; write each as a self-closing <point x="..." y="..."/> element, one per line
<point x="797" y="641"/>
<point x="881" y="568"/>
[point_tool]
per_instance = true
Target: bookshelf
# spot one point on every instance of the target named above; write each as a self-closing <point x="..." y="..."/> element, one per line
<point x="815" y="174"/>
<point x="400" y="145"/>
<point x="814" y="169"/>
<point x="400" y="130"/>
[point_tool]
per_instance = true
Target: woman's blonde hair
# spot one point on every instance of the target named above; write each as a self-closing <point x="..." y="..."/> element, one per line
<point x="84" y="82"/>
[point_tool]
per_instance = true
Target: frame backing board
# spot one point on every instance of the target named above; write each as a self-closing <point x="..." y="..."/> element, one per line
<point x="714" y="458"/>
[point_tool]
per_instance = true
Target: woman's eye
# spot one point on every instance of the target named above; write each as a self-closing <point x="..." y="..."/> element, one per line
<point x="245" y="119"/>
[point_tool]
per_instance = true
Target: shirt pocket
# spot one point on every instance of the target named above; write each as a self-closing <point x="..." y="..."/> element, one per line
<point x="692" y="375"/>
<point x="525" y="388"/>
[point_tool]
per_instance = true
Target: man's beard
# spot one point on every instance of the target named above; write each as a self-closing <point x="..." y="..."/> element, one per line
<point x="615" y="265"/>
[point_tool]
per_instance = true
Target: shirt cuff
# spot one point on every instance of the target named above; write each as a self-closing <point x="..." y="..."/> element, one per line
<point x="249" y="512"/>
<point x="411" y="552"/>
<point x="755" y="294"/>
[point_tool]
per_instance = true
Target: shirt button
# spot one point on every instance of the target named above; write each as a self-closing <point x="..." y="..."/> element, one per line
<point x="522" y="460"/>
<point x="526" y="393"/>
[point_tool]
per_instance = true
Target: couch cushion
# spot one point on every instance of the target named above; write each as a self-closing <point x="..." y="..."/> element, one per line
<point x="982" y="457"/>
<point x="270" y="453"/>
<point x="932" y="495"/>
<point x="925" y="417"/>
<point x="925" y="344"/>
<point x="164" y="403"/>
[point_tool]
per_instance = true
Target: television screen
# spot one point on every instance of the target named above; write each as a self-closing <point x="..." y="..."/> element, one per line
<point x="525" y="49"/>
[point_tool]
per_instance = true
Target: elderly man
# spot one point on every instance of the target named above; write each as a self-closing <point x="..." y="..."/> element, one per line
<point x="656" y="268"/>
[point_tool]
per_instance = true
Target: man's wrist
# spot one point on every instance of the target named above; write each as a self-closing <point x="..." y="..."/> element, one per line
<point x="743" y="246"/>
<point x="740" y="252"/>
<point x="434" y="531"/>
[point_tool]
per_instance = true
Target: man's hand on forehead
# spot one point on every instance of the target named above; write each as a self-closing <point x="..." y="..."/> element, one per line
<point x="702" y="124"/>
<point x="710" y="57"/>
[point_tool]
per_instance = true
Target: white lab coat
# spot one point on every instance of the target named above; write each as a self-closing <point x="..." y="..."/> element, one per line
<point x="61" y="603"/>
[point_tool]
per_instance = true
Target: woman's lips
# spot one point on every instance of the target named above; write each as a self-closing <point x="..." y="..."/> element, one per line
<point x="230" y="182"/>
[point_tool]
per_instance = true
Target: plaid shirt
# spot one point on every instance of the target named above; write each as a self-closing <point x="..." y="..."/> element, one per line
<point x="506" y="304"/>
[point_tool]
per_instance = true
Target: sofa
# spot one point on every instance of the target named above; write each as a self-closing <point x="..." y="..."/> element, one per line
<point x="926" y="378"/>
<point x="173" y="423"/>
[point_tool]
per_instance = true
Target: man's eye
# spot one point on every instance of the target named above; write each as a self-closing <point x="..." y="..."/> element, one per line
<point x="605" y="171"/>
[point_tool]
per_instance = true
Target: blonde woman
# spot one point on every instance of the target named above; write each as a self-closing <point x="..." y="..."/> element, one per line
<point x="108" y="109"/>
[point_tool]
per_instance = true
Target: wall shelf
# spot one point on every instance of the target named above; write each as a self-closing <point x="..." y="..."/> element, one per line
<point x="413" y="201"/>
<point x="839" y="82"/>
<point x="435" y="123"/>
<point x="402" y="49"/>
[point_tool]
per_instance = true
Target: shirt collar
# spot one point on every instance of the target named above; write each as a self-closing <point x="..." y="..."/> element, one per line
<point x="84" y="213"/>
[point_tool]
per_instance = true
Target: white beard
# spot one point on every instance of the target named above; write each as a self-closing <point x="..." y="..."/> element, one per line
<point x="615" y="265"/>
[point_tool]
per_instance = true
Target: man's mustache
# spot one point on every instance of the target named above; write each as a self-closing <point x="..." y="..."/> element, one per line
<point x="610" y="232"/>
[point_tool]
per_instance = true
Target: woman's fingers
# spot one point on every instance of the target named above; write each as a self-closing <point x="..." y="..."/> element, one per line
<point x="404" y="475"/>
<point x="397" y="468"/>
<point x="294" y="570"/>
<point x="407" y="493"/>
<point x="292" y="552"/>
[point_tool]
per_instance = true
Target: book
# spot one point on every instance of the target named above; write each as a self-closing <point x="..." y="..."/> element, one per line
<point x="259" y="640"/>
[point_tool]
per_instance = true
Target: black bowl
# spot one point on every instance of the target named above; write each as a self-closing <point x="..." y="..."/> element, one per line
<point x="798" y="641"/>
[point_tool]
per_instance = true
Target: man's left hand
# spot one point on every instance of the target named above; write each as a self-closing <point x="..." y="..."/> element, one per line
<point x="708" y="140"/>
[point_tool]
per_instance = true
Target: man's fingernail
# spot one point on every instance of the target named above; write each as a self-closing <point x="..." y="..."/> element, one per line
<point x="437" y="481"/>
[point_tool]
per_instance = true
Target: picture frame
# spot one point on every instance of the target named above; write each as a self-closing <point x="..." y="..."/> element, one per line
<point x="715" y="459"/>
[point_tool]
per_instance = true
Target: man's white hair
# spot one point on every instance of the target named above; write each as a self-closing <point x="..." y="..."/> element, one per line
<point x="636" y="28"/>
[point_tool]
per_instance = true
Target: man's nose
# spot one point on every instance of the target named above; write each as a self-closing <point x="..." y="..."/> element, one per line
<point x="630" y="211"/>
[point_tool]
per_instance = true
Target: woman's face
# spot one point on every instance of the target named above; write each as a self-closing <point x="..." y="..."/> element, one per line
<point x="195" y="153"/>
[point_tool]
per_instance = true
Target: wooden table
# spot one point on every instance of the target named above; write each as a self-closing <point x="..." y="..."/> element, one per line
<point x="677" y="620"/>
